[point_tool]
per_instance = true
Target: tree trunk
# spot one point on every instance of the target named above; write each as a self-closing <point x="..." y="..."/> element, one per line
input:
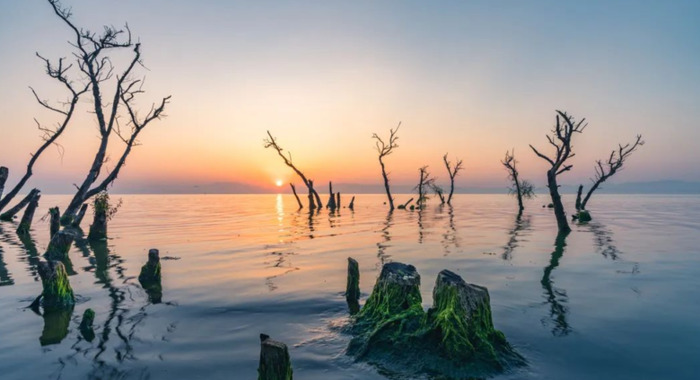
<point x="351" y="206"/>
<point x="331" y="199"/>
<point x="518" y="190"/>
<point x="86" y="328"/>
<point x="59" y="246"/>
<point x="9" y="214"/>
<point x="79" y="217"/>
<point x="337" y="200"/>
<point x="81" y="195"/>
<point x="312" y="203"/>
<point x="294" y="190"/>
<point x="150" y="276"/>
<point x="274" y="360"/>
<point x="55" y="224"/>
<point x="57" y="293"/>
<point x="562" y="223"/>
<point x="4" y="172"/>
<point x="352" y="289"/>
<point x="588" y="195"/>
<point x="316" y="196"/>
<point x="26" y="224"/>
<point x="452" y="190"/>
<point x="98" y="228"/>
<point x="578" y="198"/>
<point x="386" y="185"/>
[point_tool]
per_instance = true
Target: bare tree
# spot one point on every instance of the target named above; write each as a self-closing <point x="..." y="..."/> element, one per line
<point x="271" y="142"/>
<point x="437" y="189"/>
<point x="92" y="53"/>
<point x="560" y="139"/>
<point x="385" y="149"/>
<point x="425" y="182"/>
<point x="608" y="168"/>
<point x="521" y="189"/>
<point x="50" y="135"/>
<point x="452" y="171"/>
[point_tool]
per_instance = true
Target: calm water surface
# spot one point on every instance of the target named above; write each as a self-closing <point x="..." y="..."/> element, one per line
<point x="618" y="299"/>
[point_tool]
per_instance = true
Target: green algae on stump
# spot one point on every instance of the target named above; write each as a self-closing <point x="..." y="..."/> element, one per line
<point x="101" y="208"/>
<point x="86" y="329"/>
<point x="275" y="363"/>
<point x="150" y="276"/>
<point x="57" y="291"/>
<point x="352" y="289"/>
<point x="583" y="216"/>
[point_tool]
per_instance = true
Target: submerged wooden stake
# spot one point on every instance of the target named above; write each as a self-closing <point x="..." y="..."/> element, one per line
<point x="4" y="172"/>
<point x="294" y="190"/>
<point x="86" y="329"/>
<point x="26" y="224"/>
<point x="331" y="198"/>
<point x="274" y="360"/>
<point x="55" y="223"/>
<point x="150" y="278"/>
<point x="337" y="199"/>
<point x="352" y="289"/>
<point x="351" y="206"/>
<point x="9" y="214"/>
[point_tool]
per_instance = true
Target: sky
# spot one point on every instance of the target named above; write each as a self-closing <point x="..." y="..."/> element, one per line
<point x="468" y="78"/>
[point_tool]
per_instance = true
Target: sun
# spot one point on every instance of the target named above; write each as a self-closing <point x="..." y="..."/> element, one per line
<point x="279" y="183"/>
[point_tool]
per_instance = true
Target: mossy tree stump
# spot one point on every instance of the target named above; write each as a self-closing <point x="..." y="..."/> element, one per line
<point x="86" y="329"/>
<point x="59" y="246"/>
<point x="98" y="228"/>
<point x="57" y="292"/>
<point x="150" y="278"/>
<point x="352" y="289"/>
<point x="55" y="222"/>
<point x="274" y="360"/>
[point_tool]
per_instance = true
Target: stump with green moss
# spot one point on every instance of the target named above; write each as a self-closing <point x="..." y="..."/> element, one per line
<point x="86" y="329"/>
<point x="101" y="208"/>
<point x="150" y="278"/>
<point x="352" y="289"/>
<point x="57" y="292"/>
<point x="583" y="216"/>
<point x="455" y="338"/>
<point x="59" y="245"/>
<point x="274" y="360"/>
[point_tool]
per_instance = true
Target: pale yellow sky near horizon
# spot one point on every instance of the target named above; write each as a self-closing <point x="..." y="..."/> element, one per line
<point x="472" y="80"/>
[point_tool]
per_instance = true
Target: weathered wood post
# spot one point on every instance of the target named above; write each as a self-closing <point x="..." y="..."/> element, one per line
<point x="55" y="223"/>
<point x="331" y="198"/>
<point x="150" y="276"/>
<point x="274" y="360"/>
<point x="79" y="217"/>
<point x="351" y="206"/>
<point x="403" y="206"/>
<point x="312" y="204"/>
<point x="86" y="329"/>
<point x="294" y="190"/>
<point x="59" y="246"/>
<point x="337" y="199"/>
<point x="26" y="224"/>
<point x="4" y="172"/>
<point x="578" y="197"/>
<point x="98" y="228"/>
<point x="352" y="289"/>
<point x="9" y="214"/>
<point x="57" y="292"/>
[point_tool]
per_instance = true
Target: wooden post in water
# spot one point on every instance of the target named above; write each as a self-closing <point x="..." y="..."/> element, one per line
<point x="55" y="223"/>
<point x="312" y="204"/>
<point x="352" y="289"/>
<point x="331" y="198"/>
<point x="150" y="277"/>
<point x="9" y="214"/>
<point x="4" y="172"/>
<point x="351" y="206"/>
<point x="57" y="292"/>
<point x="274" y="360"/>
<point x="86" y="329"/>
<point x="79" y="217"/>
<point x="26" y="224"/>
<point x="403" y="206"/>
<point x="98" y="228"/>
<point x="59" y="246"/>
<point x="337" y="200"/>
<point x="294" y="190"/>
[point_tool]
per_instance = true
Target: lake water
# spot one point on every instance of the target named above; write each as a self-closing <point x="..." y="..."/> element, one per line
<point x="620" y="300"/>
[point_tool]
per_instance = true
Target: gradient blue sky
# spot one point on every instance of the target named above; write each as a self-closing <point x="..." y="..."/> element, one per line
<point x="473" y="78"/>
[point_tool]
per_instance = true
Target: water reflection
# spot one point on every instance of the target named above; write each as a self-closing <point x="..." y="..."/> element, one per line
<point x="5" y="278"/>
<point x="521" y="224"/>
<point x="56" y="324"/>
<point x="383" y="244"/>
<point x="556" y="297"/>
<point x="603" y="240"/>
<point x="450" y="238"/>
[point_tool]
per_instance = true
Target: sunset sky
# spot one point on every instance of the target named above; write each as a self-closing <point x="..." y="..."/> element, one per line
<point x="468" y="78"/>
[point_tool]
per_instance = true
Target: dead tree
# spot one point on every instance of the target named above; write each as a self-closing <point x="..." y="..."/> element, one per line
<point x="271" y="142"/>
<point x="560" y="139"/>
<point x="26" y="224"/>
<point x="608" y="168"/>
<point x="58" y="71"/>
<point x="9" y="214"/>
<point x="331" y="199"/>
<point x="521" y="189"/>
<point x="385" y="149"/>
<point x="426" y="182"/>
<point x="92" y="52"/>
<point x="439" y="191"/>
<point x="452" y="171"/>
<point x="294" y="190"/>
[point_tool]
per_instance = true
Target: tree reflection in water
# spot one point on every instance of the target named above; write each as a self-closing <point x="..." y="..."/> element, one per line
<point x="521" y="224"/>
<point x="556" y="297"/>
<point x="383" y="244"/>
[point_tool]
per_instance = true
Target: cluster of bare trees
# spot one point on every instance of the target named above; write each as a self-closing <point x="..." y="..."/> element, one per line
<point x="91" y="76"/>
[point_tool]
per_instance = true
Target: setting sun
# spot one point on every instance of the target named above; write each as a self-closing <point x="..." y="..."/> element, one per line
<point x="278" y="183"/>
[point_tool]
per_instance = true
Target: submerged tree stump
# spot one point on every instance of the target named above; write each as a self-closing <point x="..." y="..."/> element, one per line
<point x="294" y="191"/>
<point x="9" y="214"/>
<point x="4" y="172"/>
<point x="98" y="228"/>
<point x="57" y="292"/>
<point x="150" y="278"/>
<point x="55" y="223"/>
<point x="86" y="329"/>
<point x="352" y="289"/>
<point x="274" y="360"/>
<point x="26" y="223"/>
<point x="79" y="217"/>
<point x="455" y="338"/>
<point x="583" y="216"/>
<point x="351" y="206"/>
<point x="59" y="246"/>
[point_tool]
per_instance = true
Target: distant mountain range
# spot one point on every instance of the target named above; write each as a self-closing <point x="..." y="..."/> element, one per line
<point x="652" y="187"/>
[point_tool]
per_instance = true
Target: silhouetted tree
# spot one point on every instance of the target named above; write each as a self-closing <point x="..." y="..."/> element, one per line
<point x="437" y="189"/>
<point x="560" y="139"/>
<point x="521" y="189"/>
<point x="58" y="72"/>
<point x="385" y="149"/>
<point x="452" y="171"/>
<point x="271" y="142"/>
<point x="425" y="182"/>
<point x="608" y="168"/>
<point x="93" y="57"/>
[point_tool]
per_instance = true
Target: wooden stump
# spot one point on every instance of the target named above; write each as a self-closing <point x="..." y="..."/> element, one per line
<point x="312" y="204"/>
<point x="150" y="278"/>
<point x="352" y="289"/>
<point x="98" y="228"/>
<point x="351" y="206"/>
<point x="59" y="246"/>
<point x="86" y="329"/>
<point x="337" y="200"/>
<point x="26" y="224"/>
<point x="9" y="214"/>
<point x="55" y="223"/>
<point x="57" y="292"/>
<point x="274" y="360"/>
<point x="294" y="190"/>
<point x="4" y="172"/>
